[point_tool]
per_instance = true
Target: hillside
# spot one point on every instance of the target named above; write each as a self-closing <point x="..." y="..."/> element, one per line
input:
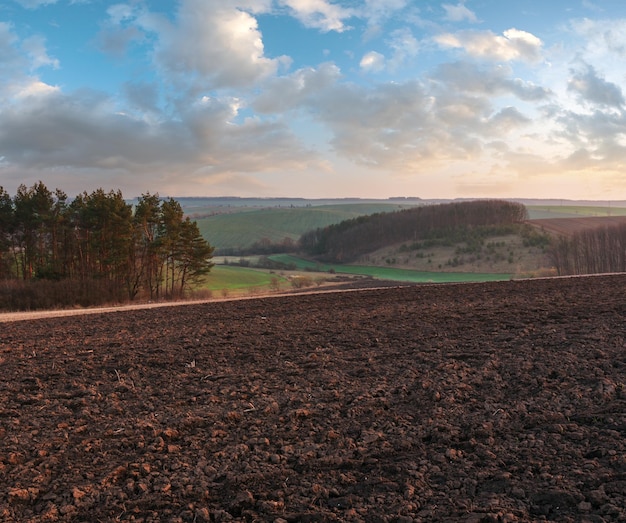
<point x="497" y="253"/>
<point x="238" y="223"/>
<point x="352" y="239"/>
<point x="232" y="229"/>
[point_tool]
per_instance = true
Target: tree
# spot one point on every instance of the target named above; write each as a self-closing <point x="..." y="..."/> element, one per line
<point x="6" y="233"/>
<point x="104" y="233"/>
<point x="172" y="219"/>
<point x="194" y="255"/>
<point x="147" y="261"/>
<point x="98" y="246"/>
<point x="33" y="215"/>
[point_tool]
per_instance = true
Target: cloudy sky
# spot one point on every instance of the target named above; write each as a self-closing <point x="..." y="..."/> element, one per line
<point x="315" y="98"/>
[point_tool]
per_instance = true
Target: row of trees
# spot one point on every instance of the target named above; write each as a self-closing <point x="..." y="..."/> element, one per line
<point x="592" y="251"/>
<point x="352" y="238"/>
<point x="100" y="245"/>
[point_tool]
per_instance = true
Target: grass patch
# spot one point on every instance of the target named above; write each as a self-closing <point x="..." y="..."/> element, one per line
<point x="239" y="278"/>
<point x="387" y="273"/>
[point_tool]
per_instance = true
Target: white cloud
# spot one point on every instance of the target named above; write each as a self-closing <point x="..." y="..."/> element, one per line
<point x="489" y="81"/>
<point x="34" y="4"/>
<point x="35" y="47"/>
<point x="210" y="44"/>
<point x="220" y="44"/>
<point x="512" y="45"/>
<point x="9" y="55"/>
<point x="587" y="4"/>
<point x="296" y="90"/>
<point x="120" y="12"/>
<point x="320" y="14"/>
<point x="591" y="88"/>
<point x="506" y="120"/>
<point x="36" y="89"/>
<point x="18" y="61"/>
<point x="372" y="62"/>
<point x="600" y="40"/>
<point x="458" y="13"/>
<point x="395" y="127"/>
<point x="377" y="11"/>
<point x="86" y="132"/>
<point x="404" y="45"/>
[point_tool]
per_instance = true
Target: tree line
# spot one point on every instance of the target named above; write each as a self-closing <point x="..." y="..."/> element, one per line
<point x="346" y="241"/>
<point x="95" y="248"/>
<point x="592" y="251"/>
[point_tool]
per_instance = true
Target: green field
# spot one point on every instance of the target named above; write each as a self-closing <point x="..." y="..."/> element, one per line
<point x="242" y="228"/>
<point x="387" y="273"/>
<point x="538" y="212"/>
<point x="239" y="278"/>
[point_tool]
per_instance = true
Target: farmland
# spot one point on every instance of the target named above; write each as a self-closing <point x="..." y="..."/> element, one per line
<point x="502" y="257"/>
<point x="569" y="226"/>
<point x="499" y="401"/>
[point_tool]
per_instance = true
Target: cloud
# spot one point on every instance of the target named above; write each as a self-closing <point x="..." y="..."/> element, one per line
<point x="587" y="4"/>
<point x="377" y="11"/>
<point x="490" y="81"/>
<point x="35" y="89"/>
<point x="210" y="44"/>
<point x="88" y="132"/>
<point x="219" y="44"/>
<point x="319" y="14"/>
<point x="34" y="4"/>
<point x="506" y="120"/>
<point x="600" y="39"/>
<point x="512" y="45"/>
<point x="372" y="62"/>
<point x="404" y="45"/>
<point x="297" y="90"/>
<point x="397" y="127"/>
<point x="591" y="88"/>
<point x="458" y="13"/>
<point x="9" y="56"/>
<point x="18" y="62"/>
<point x="35" y="47"/>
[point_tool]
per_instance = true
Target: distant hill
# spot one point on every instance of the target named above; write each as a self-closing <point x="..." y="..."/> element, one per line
<point x="235" y="225"/>
<point x="349" y="240"/>
<point x="237" y="229"/>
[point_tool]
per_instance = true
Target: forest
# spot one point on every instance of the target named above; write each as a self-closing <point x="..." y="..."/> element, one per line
<point x="95" y="248"/>
<point x="346" y="241"/>
<point x="591" y="251"/>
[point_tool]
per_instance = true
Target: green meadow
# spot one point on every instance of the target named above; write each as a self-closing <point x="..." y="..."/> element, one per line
<point x="389" y="273"/>
<point x="239" y="278"/>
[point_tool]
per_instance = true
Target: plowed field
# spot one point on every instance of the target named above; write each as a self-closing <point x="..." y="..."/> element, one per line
<point x="569" y="226"/>
<point x="472" y="402"/>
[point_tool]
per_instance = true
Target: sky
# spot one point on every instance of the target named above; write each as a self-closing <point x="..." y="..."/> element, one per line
<point x="315" y="98"/>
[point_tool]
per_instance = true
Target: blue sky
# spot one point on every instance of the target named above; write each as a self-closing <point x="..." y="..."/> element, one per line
<point x="315" y="98"/>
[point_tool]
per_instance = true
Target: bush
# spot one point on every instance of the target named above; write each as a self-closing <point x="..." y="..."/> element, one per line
<point x="299" y="282"/>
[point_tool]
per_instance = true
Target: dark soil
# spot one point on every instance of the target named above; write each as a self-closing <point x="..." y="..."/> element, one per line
<point x="471" y="402"/>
